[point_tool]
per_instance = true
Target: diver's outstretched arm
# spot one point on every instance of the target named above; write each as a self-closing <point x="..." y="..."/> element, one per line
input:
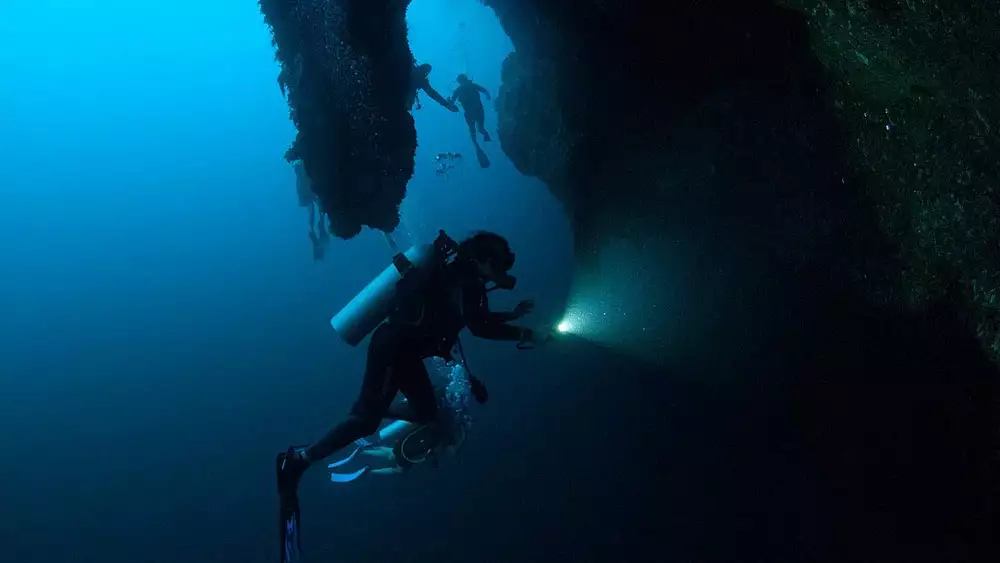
<point x="504" y="316"/>
<point x="439" y="98"/>
<point x="387" y="471"/>
<point x="484" y="323"/>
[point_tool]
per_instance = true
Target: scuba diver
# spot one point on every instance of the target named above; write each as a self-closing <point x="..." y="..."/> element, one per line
<point x="419" y="80"/>
<point x="467" y="94"/>
<point x="435" y="296"/>
<point x="303" y="186"/>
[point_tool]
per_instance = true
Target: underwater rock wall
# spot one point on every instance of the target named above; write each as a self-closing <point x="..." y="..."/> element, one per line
<point x="856" y="135"/>
<point x="796" y="209"/>
<point x="702" y="144"/>
<point x="915" y="86"/>
<point x="345" y="67"/>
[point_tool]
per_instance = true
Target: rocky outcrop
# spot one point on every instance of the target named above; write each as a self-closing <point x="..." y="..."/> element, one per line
<point x="855" y="136"/>
<point x="345" y="67"/>
<point x="915" y="87"/>
<point x="703" y="144"/>
<point x="795" y="207"/>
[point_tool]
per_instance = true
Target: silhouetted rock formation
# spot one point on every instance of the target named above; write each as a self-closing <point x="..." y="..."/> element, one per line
<point x="346" y="70"/>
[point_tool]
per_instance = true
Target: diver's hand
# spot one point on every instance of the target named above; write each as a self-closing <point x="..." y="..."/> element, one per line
<point x="524" y="308"/>
<point x="532" y="338"/>
<point x="541" y="336"/>
<point x="478" y="389"/>
<point x="452" y="108"/>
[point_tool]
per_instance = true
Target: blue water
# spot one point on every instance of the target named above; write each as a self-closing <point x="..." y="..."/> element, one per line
<point x="164" y="329"/>
<point x="164" y="332"/>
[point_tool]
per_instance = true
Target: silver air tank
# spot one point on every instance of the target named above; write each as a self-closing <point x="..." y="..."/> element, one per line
<point x="395" y="430"/>
<point x="369" y="307"/>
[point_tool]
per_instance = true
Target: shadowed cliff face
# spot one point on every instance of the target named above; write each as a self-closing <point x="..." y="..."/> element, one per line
<point x="728" y="234"/>
<point x="701" y="144"/>
<point x="851" y="136"/>
<point x="346" y="71"/>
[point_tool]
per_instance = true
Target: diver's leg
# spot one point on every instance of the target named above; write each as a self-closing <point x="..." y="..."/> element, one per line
<point x="363" y="420"/>
<point x="405" y="413"/>
<point x="324" y="232"/>
<point x="377" y="391"/>
<point x="317" y="246"/>
<point x="481" y="125"/>
<point x="415" y="384"/>
<point x="471" y="122"/>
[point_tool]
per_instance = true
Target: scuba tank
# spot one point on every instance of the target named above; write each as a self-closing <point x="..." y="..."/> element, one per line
<point x="372" y="305"/>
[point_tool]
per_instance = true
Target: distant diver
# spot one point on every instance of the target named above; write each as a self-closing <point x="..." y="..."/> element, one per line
<point x="467" y="94"/>
<point x="444" y="162"/>
<point x="419" y="304"/>
<point x="419" y="80"/>
<point x="319" y="235"/>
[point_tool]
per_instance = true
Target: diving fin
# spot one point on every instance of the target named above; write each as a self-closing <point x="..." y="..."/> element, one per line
<point x="348" y="477"/>
<point x="288" y="471"/>
<point x="484" y="161"/>
<point x="346" y="460"/>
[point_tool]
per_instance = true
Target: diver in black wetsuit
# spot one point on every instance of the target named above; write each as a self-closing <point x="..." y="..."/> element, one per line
<point x="467" y="94"/>
<point x="453" y="297"/>
<point x="420" y="80"/>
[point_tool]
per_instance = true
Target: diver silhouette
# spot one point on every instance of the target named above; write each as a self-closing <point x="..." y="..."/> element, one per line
<point x="468" y="94"/>
<point x="419" y="81"/>
<point x="318" y="233"/>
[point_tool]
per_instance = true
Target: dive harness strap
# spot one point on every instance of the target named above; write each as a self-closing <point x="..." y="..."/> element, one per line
<point x="405" y="439"/>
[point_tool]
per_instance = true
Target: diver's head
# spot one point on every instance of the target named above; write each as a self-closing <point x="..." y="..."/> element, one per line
<point x="462" y="78"/>
<point x="491" y="255"/>
<point x="424" y="69"/>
